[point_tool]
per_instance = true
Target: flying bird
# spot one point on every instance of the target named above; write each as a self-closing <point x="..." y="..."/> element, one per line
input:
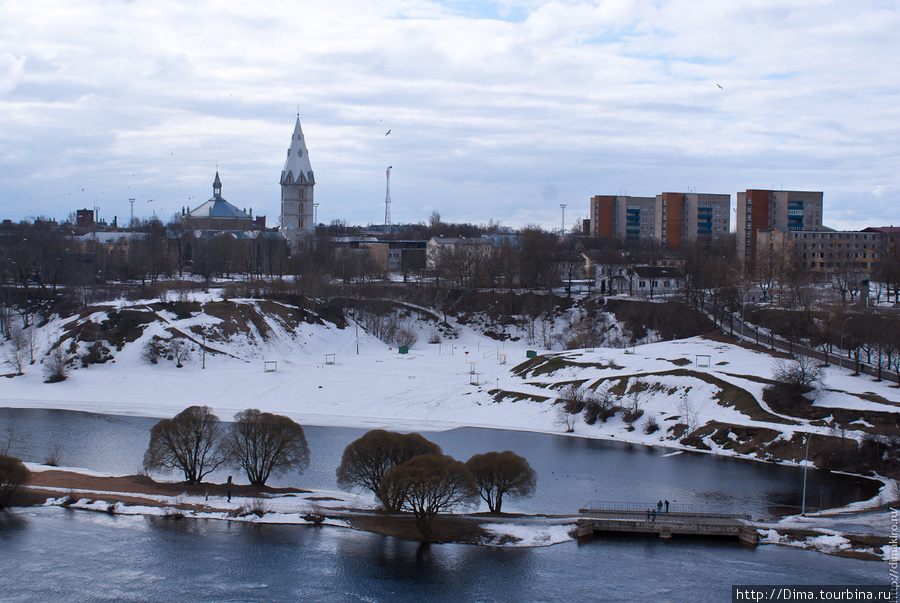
<point x="388" y="132"/>
<point x="720" y="86"/>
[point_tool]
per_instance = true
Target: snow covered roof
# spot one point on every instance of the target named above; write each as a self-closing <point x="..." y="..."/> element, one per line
<point x="217" y="207"/>
<point x="107" y="237"/>
<point x="241" y="235"/>
<point x="657" y="272"/>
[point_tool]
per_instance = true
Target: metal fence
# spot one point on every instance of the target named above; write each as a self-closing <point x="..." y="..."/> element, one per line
<point x="674" y="507"/>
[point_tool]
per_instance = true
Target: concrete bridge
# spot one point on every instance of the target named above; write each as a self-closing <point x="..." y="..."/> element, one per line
<point x="680" y="520"/>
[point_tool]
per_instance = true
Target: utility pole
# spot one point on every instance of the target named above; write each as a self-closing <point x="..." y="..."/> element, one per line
<point x="387" y="201"/>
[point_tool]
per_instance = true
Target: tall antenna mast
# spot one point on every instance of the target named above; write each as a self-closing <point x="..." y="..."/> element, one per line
<point x="563" y="207"/>
<point x="387" y="200"/>
<point x="131" y="224"/>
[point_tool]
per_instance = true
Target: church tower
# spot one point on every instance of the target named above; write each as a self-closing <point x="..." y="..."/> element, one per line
<point x="297" y="182"/>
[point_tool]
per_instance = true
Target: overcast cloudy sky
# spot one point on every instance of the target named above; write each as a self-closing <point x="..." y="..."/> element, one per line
<point x="496" y="110"/>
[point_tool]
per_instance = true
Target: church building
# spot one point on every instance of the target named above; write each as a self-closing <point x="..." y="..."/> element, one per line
<point x="297" y="183"/>
<point x="217" y="214"/>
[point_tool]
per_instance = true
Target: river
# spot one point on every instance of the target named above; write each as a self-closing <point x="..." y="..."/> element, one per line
<point x="53" y="554"/>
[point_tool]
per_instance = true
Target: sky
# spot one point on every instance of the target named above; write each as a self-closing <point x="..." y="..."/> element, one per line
<point x="497" y="111"/>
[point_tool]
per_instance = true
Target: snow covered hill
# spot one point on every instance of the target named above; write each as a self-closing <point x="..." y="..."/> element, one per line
<point x="319" y="369"/>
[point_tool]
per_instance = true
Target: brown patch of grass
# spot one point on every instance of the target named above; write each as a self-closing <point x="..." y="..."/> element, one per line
<point x="677" y="361"/>
<point x="547" y="365"/>
<point x="446" y="528"/>
<point x="518" y="397"/>
<point x="748" y="439"/>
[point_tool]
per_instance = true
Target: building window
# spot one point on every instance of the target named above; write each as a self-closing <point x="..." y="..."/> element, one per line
<point x="301" y="193"/>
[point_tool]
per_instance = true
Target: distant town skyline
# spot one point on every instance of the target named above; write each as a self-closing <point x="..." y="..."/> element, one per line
<point x="485" y="110"/>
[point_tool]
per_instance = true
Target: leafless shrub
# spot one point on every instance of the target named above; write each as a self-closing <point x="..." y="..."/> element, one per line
<point x="316" y="515"/>
<point x="405" y="336"/>
<point x="173" y="513"/>
<point x="56" y="365"/>
<point x="258" y="507"/>
<point x="175" y="349"/>
<point x="599" y="407"/>
<point x="651" y="426"/>
<point x="54" y="455"/>
<point x="154" y="350"/>
<point x="240" y="511"/>
<point x="573" y="398"/>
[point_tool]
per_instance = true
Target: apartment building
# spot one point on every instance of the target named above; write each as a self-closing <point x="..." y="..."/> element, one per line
<point x="671" y="219"/>
<point x="823" y="252"/>
<point x="793" y="211"/>
<point x="683" y="217"/>
<point x="623" y="217"/>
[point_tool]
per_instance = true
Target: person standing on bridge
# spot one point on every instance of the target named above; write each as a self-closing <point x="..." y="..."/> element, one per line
<point x="667" y="506"/>
<point x="659" y="506"/>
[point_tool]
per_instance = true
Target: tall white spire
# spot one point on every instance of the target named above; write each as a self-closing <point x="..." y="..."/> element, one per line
<point x="297" y="192"/>
<point x="297" y="168"/>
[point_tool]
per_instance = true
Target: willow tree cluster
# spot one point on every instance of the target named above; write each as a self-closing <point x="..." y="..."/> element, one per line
<point x="260" y="443"/>
<point x="408" y="473"/>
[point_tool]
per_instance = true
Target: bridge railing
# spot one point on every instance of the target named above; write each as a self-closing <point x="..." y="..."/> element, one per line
<point x="643" y="507"/>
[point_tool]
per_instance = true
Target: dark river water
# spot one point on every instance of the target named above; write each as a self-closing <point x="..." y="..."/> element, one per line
<point x="571" y="471"/>
<point x="52" y="554"/>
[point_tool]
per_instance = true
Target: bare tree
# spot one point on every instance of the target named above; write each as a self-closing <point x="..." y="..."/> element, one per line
<point x="633" y="411"/>
<point x="181" y="350"/>
<point x="263" y="444"/>
<point x="188" y="442"/>
<point x="31" y="343"/>
<point x="431" y="484"/>
<point x="690" y="416"/>
<point x="15" y="350"/>
<point x="573" y="397"/>
<point x="434" y="222"/>
<point x="366" y="460"/>
<point x="566" y="419"/>
<point x="502" y="473"/>
<point x="801" y="375"/>
<point x="11" y="438"/>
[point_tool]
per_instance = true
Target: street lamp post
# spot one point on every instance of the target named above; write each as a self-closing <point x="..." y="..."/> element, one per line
<point x="841" y="353"/>
<point x="805" y="462"/>
<point x="743" y="303"/>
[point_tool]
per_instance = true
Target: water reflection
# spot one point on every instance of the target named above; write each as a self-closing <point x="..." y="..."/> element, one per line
<point x="93" y="556"/>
